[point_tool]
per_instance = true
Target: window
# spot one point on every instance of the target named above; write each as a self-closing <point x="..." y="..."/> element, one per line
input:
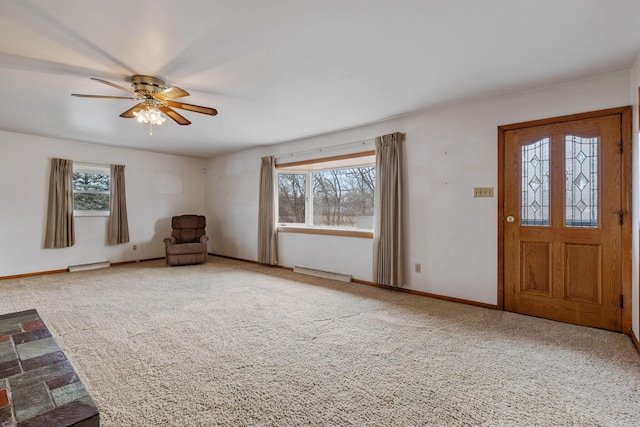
<point x="328" y="193"/>
<point x="91" y="190"/>
<point x="292" y="196"/>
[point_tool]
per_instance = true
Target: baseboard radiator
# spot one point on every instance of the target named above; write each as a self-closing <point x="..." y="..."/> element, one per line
<point x="91" y="266"/>
<point x="324" y="274"/>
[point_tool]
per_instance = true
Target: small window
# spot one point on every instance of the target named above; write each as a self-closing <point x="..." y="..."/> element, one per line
<point x="91" y="185"/>
<point x="328" y="193"/>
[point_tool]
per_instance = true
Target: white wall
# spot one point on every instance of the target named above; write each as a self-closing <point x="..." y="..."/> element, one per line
<point x="447" y="153"/>
<point x="24" y="182"/>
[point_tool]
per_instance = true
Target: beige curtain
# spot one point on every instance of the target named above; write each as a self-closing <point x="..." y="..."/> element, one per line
<point x="60" y="227"/>
<point x="118" y="227"/>
<point x="267" y="236"/>
<point x="388" y="261"/>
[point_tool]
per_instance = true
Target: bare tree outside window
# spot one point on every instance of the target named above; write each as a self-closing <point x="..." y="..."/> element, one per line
<point x="340" y="197"/>
<point x="292" y="189"/>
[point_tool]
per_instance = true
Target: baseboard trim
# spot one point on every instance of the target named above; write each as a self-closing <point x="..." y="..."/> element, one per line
<point x="66" y="270"/>
<point x="37" y="273"/>
<point x="391" y="288"/>
<point x="243" y="260"/>
<point x="115" y="264"/>
<point x="135" y="261"/>
<point x="634" y="340"/>
<point x="428" y="295"/>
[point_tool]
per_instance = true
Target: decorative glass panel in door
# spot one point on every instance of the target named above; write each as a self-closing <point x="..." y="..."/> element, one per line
<point x="563" y="258"/>
<point x="581" y="181"/>
<point x="535" y="183"/>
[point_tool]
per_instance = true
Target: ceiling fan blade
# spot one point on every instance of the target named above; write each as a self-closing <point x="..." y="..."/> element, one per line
<point x="113" y="85"/>
<point x="174" y="115"/>
<point x="171" y="93"/>
<point x="129" y="113"/>
<point x="101" y="96"/>
<point x="194" y="108"/>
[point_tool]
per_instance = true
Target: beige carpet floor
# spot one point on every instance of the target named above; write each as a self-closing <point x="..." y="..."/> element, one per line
<point x="235" y="344"/>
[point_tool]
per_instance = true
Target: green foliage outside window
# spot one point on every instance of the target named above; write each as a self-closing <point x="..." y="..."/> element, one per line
<point x="91" y="191"/>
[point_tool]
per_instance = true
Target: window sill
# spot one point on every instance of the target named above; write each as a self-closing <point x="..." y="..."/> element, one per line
<point x="327" y="232"/>
<point x="90" y="213"/>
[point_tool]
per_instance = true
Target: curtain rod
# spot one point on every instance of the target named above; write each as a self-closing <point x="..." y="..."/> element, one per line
<point x="320" y="150"/>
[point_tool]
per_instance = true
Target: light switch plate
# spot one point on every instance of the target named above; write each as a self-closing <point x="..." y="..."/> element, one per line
<point x="482" y="191"/>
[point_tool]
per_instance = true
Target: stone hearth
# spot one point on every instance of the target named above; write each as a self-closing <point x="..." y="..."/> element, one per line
<point x="38" y="385"/>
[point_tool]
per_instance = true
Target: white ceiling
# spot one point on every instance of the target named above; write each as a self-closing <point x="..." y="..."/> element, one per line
<point x="288" y="69"/>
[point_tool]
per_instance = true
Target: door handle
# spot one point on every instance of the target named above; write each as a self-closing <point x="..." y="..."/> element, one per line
<point x="511" y="219"/>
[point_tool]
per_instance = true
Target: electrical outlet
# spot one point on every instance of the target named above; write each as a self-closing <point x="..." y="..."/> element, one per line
<point x="418" y="267"/>
<point x="135" y="247"/>
<point x="482" y="191"/>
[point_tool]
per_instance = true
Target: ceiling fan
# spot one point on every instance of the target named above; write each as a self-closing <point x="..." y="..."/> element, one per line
<point x="156" y="96"/>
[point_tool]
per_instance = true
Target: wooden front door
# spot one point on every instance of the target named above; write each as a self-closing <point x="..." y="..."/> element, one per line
<point x="562" y="220"/>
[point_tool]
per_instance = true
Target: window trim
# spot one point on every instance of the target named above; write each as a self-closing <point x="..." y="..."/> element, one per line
<point x="365" y="234"/>
<point x="292" y="165"/>
<point x="95" y="169"/>
<point x="321" y="164"/>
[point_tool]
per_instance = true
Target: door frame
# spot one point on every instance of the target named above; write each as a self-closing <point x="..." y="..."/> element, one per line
<point x="626" y="160"/>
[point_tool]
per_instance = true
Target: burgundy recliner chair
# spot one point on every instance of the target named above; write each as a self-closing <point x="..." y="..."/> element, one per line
<point x="188" y="242"/>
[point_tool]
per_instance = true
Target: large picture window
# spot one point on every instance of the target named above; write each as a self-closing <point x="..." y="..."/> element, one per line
<point x="91" y="185"/>
<point x="328" y="193"/>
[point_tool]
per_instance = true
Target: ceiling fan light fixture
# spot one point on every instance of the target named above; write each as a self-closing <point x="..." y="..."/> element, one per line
<point x="150" y="115"/>
<point x="155" y="96"/>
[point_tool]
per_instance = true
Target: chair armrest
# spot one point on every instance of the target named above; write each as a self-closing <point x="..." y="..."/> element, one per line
<point x="204" y="239"/>
<point x="168" y="241"/>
